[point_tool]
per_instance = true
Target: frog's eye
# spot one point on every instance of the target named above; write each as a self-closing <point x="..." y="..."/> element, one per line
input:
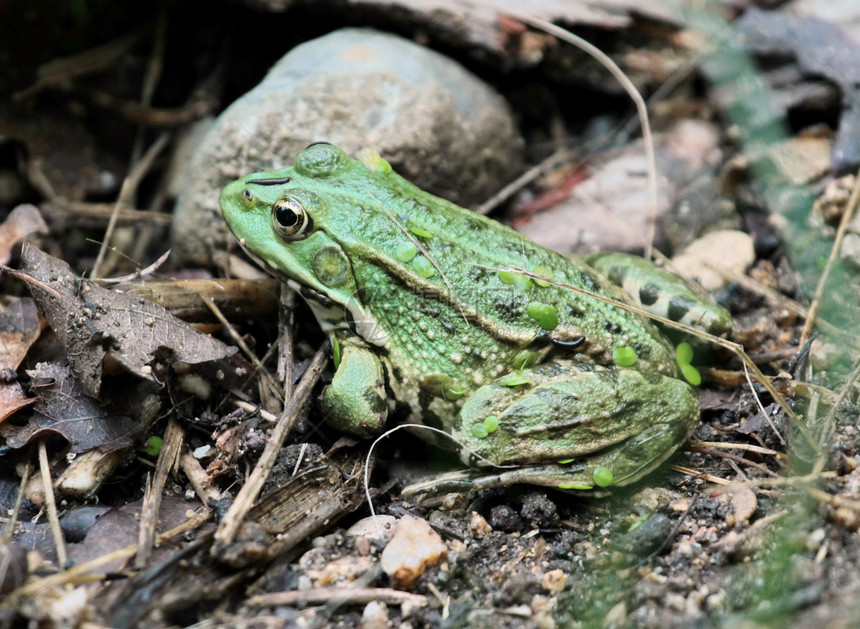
<point x="290" y="219"/>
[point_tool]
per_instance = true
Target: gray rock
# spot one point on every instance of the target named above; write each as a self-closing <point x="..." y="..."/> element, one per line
<point x="437" y="124"/>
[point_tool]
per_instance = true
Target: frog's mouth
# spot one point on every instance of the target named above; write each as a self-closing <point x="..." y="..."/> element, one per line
<point x="332" y="315"/>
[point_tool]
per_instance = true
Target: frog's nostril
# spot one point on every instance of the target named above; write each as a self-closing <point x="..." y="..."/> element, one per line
<point x="248" y="195"/>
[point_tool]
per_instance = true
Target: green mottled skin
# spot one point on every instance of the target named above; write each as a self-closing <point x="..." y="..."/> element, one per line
<point x="426" y="339"/>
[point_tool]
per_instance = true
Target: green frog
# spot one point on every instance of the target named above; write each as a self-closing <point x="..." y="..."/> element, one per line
<point x="444" y="318"/>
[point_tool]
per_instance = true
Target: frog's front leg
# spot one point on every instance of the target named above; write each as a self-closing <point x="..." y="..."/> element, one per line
<point x="574" y="426"/>
<point x="355" y="401"/>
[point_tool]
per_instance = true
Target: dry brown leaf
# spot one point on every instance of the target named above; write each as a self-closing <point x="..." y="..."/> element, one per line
<point x="94" y="323"/>
<point x="62" y="408"/>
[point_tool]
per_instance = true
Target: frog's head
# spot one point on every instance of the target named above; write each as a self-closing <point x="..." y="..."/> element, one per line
<point x="309" y="225"/>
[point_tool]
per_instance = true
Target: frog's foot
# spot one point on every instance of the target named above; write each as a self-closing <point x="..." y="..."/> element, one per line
<point x="355" y="401"/>
<point x="575" y="427"/>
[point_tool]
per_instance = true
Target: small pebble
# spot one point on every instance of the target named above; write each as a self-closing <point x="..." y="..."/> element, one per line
<point x="478" y="525"/>
<point x="504" y="518"/>
<point x="554" y="581"/>
<point x="375" y="529"/>
<point x="374" y="616"/>
<point x="413" y="548"/>
<point x="730" y="251"/>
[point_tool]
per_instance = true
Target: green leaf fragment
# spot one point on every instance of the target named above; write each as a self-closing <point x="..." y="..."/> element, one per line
<point x="638" y="523"/>
<point x="405" y="251"/>
<point x="335" y="352"/>
<point x="544" y="314"/>
<point x="423" y="267"/>
<point x="602" y="476"/>
<point x="374" y="161"/>
<point x="479" y="431"/>
<point x="624" y="356"/>
<point x="542" y="270"/>
<point x="691" y="374"/>
<point x="513" y="380"/>
<point x="420" y="232"/>
<point x="524" y="359"/>
<point x="565" y="461"/>
<point x="684" y="353"/>
<point x="491" y="423"/>
<point x="516" y="279"/>
<point x="454" y="392"/>
<point x="152" y="446"/>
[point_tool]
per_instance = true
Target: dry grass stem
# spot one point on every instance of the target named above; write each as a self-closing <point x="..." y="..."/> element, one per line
<point x="847" y="215"/>
<point x="51" y="505"/>
<point x="632" y="92"/>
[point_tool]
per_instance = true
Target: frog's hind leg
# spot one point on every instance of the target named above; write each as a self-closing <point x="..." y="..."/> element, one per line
<point x="573" y="426"/>
<point x="615" y="467"/>
<point x="662" y="293"/>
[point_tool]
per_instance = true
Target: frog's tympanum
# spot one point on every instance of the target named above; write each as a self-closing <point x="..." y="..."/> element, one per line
<point x="432" y="324"/>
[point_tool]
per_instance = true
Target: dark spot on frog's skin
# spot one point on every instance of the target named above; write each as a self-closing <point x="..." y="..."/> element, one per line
<point x="642" y="351"/>
<point x="652" y="378"/>
<point x="477" y="274"/>
<point x="612" y="327"/>
<point x="376" y="402"/>
<point x="428" y="417"/>
<point x="401" y="409"/>
<point x="430" y="309"/>
<point x="678" y="307"/>
<point x="648" y="294"/>
<point x="509" y="308"/>
<point x="577" y="342"/>
<point x="397" y="373"/>
<point x="573" y="311"/>
<point x="617" y="274"/>
<point x="589" y="282"/>
<point x="552" y="369"/>
<point x="474" y="224"/>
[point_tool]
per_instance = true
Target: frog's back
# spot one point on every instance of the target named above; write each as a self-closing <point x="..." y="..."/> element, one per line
<point x="454" y="266"/>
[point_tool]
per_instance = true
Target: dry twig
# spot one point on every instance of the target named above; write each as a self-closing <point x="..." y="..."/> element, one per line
<point x="248" y="494"/>
<point x="167" y="458"/>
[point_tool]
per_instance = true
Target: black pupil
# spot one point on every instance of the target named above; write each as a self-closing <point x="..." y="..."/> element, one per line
<point x="286" y="216"/>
